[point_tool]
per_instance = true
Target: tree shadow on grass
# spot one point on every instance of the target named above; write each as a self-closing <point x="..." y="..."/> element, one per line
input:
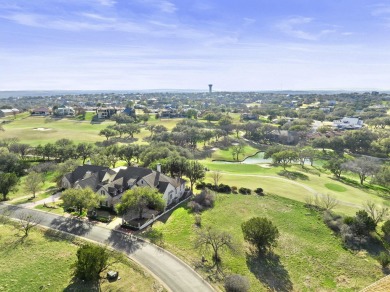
<point x="55" y="235"/>
<point x="123" y="242"/>
<point x="312" y="170"/>
<point x="293" y="175"/>
<point x="268" y="269"/>
<point x="71" y="225"/>
<point x="77" y="285"/>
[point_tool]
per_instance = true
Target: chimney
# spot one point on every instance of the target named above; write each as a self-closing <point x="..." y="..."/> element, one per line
<point x="88" y="174"/>
<point x="158" y="167"/>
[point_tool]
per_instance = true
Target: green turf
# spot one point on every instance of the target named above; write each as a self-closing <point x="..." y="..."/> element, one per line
<point x="78" y="131"/>
<point x="43" y="263"/>
<point x="296" y="183"/>
<point x="335" y="187"/>
<point x="227" y="154"/>
<point x="308" y="256"/>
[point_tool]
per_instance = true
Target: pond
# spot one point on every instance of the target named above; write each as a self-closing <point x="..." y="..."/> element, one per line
<point x="257" y="158"/>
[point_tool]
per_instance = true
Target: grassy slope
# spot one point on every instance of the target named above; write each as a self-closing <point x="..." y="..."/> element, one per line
<point x="254" y="176"/>
<point x="44" y="261"/>
<point x="308" y="255"/>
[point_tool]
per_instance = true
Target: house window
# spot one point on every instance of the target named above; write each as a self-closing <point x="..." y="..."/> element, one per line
<point x="102" y="192"/>
<point x="106" y="203"/>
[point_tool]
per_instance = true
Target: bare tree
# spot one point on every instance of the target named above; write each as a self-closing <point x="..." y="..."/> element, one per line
<point x="216" y="175"/>
<point x="377" y="213"/>
<point x="27" y="222"/>
<point x="328" y="202"/>
<point x="216" y="240"/>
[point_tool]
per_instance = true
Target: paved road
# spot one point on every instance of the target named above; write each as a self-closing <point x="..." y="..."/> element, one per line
<point x="175" y="274"/>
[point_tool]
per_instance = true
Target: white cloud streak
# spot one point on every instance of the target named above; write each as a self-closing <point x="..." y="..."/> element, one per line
<point x="289" y="27"/>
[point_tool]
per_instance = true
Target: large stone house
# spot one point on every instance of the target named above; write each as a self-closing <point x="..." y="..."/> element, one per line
<point x="112" y="183"/>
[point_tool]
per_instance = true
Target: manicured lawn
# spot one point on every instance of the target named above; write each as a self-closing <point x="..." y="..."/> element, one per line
<point x="55" y="208"/>
<point x="335" y="187"/>
<point x="78" y="131"/>
<point x="168" y="123"/>
<point x="43" y="263"/>
<point x="46" y="190"/>
<point x="308" y="257"/>
<point x="296" y="183"/>
<point x="227" y="154"/>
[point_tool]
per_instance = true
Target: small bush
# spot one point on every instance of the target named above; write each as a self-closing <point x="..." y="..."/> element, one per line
<point x="206" y="199"/>
<point x="245" y="191"/>
<point x="386" y="228"/>
<point x="224" y="189"/>
<point x="234" y="189"/>
<point x="236" y="283"/>
<point x="200" y="185"/>
<point x="195" y="207"/>
<point x="202" y="201"/>
<point x="333" y="221"/>
<point x="259" y="191"/>
<point x="198" y="220"/>
<point x="384" y="259"/>
<point x="348" y="220"/>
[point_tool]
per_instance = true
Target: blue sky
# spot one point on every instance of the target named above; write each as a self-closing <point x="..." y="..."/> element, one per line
<point x="169" y="44"/>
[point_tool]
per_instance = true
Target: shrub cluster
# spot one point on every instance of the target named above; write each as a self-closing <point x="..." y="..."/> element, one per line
<point x="245" y="191"/>
<point x="202" y="201"/>
<point x="226" y="189"/>
<point x="236" y="283"/>
<point x="221" y="188"/>
<point x="259" y="191"/>
<point x="354" y="231"/>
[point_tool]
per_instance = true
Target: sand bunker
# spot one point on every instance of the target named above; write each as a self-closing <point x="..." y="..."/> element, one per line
<point x="42" y="129"/>
<point x="264" y="165"/>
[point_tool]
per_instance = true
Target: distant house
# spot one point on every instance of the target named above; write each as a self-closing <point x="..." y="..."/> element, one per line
<point x="64" y="111"/>
<point x="169" y="113"/>
<point x="41" y="111"/>
<point x="112" y="183"/>
<point x="249" y="116"/>
<point x="129" y="111"/>
<point x="106" y="112"/>
<point x="348" y="123"/>
<point x="8" y="112"/>
<point x="285" y="137"/>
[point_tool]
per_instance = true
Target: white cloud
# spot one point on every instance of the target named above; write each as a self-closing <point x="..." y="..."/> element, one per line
<point x="97" y="17"/>
<point x="167" y="7"/>
<point x="106" y="2"/>
<point x="249" y="21"/>
<point x="289" y="27"/>
<point x="380" y="10"/>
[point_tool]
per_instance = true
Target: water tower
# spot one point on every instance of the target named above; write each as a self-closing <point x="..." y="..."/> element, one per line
<point x="210" y="88"/>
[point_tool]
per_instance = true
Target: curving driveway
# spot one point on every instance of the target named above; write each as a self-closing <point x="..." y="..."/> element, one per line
<point x="172" y="272"/>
